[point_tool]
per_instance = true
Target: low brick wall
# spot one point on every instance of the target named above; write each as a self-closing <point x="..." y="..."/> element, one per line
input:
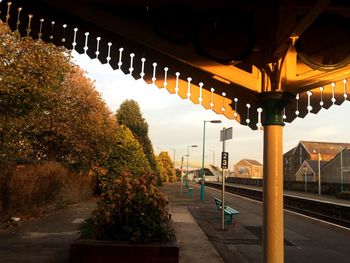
<point x="27" y="186"/>
<point x="245" y="181"/>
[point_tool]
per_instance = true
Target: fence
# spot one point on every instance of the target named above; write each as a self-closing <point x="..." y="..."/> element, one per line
<point x="312" y="187"/>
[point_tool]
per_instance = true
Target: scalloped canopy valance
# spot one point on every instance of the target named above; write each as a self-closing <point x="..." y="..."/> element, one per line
<point x="219" y="54"/>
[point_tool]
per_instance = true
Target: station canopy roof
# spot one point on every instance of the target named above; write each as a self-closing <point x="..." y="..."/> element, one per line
<point x="220" y="54"/>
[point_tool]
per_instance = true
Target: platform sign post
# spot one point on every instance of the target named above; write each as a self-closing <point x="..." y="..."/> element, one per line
<point x="224" y="160"/>
<point x="225" y="134"/>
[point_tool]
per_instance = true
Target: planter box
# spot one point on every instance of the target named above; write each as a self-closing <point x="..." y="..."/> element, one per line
<point x="98" y="251"/>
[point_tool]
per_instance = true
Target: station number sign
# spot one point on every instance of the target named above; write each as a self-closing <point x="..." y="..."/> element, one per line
<point x="224" y="160"/>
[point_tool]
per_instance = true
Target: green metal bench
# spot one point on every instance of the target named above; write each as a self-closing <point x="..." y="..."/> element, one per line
<point x="229" y="212"/>
<point x="190" y="190"/>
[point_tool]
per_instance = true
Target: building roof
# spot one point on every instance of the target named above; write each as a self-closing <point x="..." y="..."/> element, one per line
<point x="312" y="164"/>
<point x="252" y="162"/>
<point x="335" y="157"/>
<point x="215" y="168"/>
<point x="325" y="148"/>
<point x="290" y="152"/>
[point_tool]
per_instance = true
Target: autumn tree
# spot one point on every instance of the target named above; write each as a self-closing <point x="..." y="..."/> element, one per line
<point x="162" y="171"/>
<point x="129" y="114"/>
<point x="48" y="108"/>
<point x="166" y="167"/>
<point x="29" y="72"/>
<point x="76" y="128"/>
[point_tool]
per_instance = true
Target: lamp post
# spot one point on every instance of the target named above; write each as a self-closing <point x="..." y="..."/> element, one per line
<point x="174" y="179"/>
<point x="305" y="178"/>
<point x="341" y="172"/>
<point x="181" y="171"/>
<point x="319" y="170"/>
<point x="188" y="155"/>
<point x="213" y="157"/>
<point x="202" y="184"/>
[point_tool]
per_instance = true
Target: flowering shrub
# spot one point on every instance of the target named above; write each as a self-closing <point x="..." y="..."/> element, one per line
<point x="132" y="209"/>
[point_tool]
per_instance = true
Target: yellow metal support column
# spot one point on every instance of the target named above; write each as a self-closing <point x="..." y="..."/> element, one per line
<point x="273" y="225"/>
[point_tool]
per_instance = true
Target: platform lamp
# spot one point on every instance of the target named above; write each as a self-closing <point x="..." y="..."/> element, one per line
<point x="202" y="184"/>
<point x="188" y="155"/>
<point x="319" y="169"/>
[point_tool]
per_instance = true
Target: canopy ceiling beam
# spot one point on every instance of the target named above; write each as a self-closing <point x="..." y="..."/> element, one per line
<point x="298" y="28"/>
<point x="317" y="79"/>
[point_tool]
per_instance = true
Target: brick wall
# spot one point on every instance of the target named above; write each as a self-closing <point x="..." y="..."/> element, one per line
<point x="26" y="186"/>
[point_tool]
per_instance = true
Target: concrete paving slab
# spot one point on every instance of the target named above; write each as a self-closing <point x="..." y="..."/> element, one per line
<point x="194" y="244"/>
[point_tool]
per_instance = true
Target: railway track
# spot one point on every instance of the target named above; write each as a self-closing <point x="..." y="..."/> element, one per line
<point x="328" y="211"/>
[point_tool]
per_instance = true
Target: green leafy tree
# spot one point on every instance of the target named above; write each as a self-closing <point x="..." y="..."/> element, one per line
<point x="166" y="167"/>
<point x="126" y="155"/>
<point x="129" y="114"/>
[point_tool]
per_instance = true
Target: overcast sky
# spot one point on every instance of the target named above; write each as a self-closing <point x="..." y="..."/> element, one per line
<point x="175" y="123"/>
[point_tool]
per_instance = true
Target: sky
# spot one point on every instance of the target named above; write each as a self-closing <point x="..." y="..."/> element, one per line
<point x="175" y="123"/>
